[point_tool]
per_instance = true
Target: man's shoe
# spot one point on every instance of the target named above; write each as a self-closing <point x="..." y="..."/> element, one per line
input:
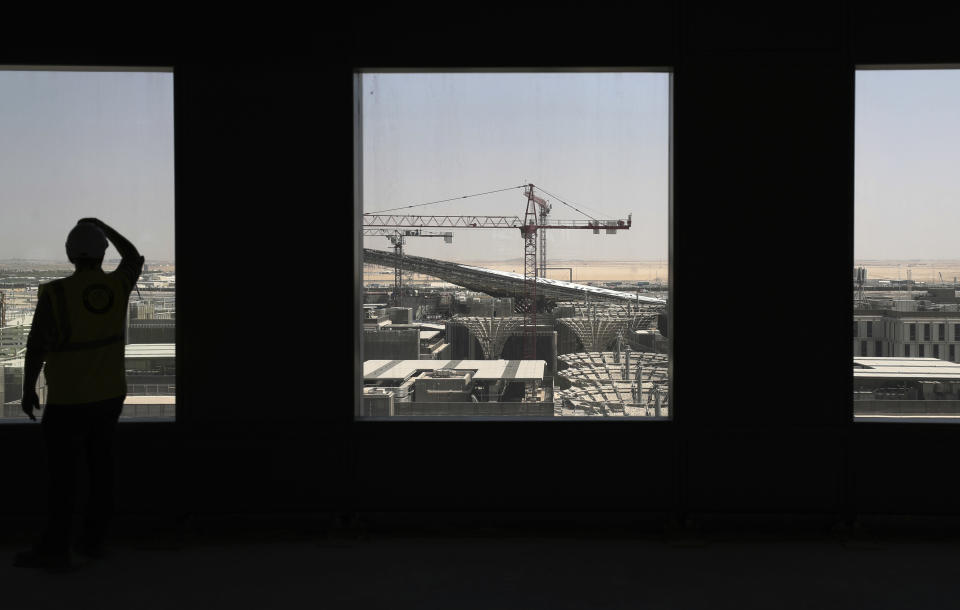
<point x="57" y="562"/>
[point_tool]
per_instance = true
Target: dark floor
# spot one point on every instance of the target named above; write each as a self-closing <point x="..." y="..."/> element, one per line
<point x="501" y="569"/>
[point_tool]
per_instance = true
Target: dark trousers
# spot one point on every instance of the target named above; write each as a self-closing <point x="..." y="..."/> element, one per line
<point x="68" y="431"/>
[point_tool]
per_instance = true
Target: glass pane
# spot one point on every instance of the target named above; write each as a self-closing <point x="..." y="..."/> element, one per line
<point x="515" y="244"/>
<point x="88" y="144"/>
<point x="906" y="257"/>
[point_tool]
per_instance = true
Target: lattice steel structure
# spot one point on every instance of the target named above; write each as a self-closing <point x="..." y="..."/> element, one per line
<point x="600" y="385"/>
<point x="596" y="324"/>
<point x="491" y="332"/>
<point x="595" y="333"/>
<point x="596" y="327"/>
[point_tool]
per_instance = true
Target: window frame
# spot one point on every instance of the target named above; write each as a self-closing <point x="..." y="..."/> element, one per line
<point x="671" y="309"/>
<point x="167" y="68"/>
<point x="867" y="422"/>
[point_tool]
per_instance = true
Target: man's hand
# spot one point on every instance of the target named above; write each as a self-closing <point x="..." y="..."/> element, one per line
<point x="30" y="402"/>
<point x="121" y="243"/>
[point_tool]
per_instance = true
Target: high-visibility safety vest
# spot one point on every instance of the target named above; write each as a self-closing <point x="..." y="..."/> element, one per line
<point x="86" y="361"/>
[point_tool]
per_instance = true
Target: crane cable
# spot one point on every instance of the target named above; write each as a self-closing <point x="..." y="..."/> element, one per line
<point x="569" y="205"/>
<point x="509" y="188"/>
<point x="417" y="205"/>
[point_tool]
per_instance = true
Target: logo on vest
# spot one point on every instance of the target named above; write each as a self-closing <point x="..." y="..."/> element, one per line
<point x="97" y="298"/>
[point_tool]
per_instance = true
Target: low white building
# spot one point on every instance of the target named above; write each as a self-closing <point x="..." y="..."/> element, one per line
<point x="907" y="334"/>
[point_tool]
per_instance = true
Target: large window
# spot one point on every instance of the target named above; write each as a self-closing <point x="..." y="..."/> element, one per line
<point x="515" y="244"/>
<point x="88" y="143"/>
<point x="906" y="215"/>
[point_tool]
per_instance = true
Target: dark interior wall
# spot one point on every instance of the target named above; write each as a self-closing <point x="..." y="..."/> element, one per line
<point x="763" y="174"/>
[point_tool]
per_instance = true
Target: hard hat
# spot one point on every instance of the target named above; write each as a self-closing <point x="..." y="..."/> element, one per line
<point x="86" y="240"/>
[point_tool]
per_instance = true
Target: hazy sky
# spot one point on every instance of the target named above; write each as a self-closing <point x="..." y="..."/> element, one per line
<point x="596" y="140"/>
<point x="907" y="202"/>
<point x="82" y="144"/>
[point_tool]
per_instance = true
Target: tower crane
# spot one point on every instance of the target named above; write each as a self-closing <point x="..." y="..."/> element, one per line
<point x="398" y="238"/>
<point x="535" y="220"/>
<point x="544" y="208"/>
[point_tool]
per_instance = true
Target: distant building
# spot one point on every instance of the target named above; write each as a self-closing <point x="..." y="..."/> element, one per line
<point x="11" y="387"/>
<point x="470" y="304"/>
<point x="152" y="331"/>
<point x="151" y="369"/>
<point x="417" y="341"/>
<point x="13" y="339"/>
<point x="907" y="334"/>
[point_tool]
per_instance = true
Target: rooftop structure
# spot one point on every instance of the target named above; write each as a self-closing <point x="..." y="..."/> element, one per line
<point x="150" y="400"/>
<point x="906" y="387"/>
<point x="455" y="387"/>
<point x="905" y="368"/>
<point x="484" y="370"/>
<point x="151" y="350"/>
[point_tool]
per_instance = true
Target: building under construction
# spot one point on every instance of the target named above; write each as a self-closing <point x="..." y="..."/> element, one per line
<point x="604" y="351"/>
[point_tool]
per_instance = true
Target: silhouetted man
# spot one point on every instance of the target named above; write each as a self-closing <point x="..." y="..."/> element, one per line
<point x="77" y="330"/>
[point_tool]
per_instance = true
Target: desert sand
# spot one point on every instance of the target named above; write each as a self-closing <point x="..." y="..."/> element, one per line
<point x="928" y="271"/>
<point x="653" y="270"/>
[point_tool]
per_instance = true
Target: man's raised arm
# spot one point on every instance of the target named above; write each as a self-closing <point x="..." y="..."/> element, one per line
<point x="126" y="249"/>
<point x="132" y="264"/>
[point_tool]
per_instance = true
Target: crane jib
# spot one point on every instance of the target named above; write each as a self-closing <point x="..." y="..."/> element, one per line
<point x="487" y="222"/>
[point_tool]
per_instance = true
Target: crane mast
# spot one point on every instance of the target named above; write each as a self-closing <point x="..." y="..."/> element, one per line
<point x="398" y="238"/>
<point x="529" y="233"/>
<point x="544" y="211"/>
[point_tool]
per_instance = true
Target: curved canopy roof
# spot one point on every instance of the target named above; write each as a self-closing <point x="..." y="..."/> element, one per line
<point x="501" y="283"/>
